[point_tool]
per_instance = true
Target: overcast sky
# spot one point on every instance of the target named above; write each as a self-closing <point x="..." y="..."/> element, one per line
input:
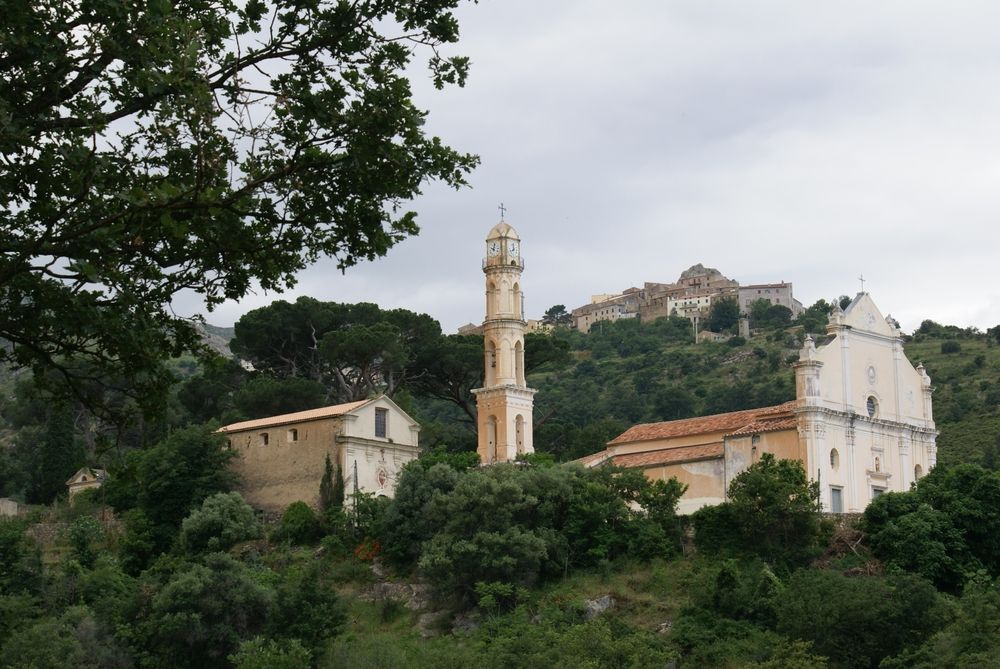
<point x="804" y="142"/>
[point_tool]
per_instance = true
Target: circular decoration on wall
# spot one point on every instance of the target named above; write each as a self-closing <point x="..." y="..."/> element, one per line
<point x="382" y="477"/>
<point x="872" y="375"/>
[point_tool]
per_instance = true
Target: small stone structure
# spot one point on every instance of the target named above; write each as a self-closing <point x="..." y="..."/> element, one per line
<point x="9" y="507"/>
<point x="85" y="479"/>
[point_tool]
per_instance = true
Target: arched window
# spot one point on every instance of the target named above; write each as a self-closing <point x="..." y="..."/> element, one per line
<point x="834" y="459"/>
<point x="918" y="471"/>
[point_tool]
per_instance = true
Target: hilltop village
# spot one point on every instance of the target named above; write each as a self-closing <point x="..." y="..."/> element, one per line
<point x="691" y="296"/>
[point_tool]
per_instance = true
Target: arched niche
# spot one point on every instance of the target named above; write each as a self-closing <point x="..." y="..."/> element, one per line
<point x="519" y="432"/>
<point x="518" y="302"/>
<point x="504" y="366"/>
<point x="491" y="298"/>
<point x="519" y="363"/>
<point x="491" y="439"/>
<point x="491" y="362"/>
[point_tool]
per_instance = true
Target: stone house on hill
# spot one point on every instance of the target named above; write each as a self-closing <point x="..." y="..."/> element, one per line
<point x="84" y="479"/>
<point x="281" y="459"/>
<point x="861" y="423"/>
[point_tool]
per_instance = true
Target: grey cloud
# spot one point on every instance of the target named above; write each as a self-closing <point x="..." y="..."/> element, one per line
<point x="773" y="140"/>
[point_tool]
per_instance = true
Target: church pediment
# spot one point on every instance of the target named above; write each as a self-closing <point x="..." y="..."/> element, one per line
<point x="862" y="314"/>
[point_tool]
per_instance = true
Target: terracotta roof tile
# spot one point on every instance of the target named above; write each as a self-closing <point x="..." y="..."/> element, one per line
<point x="722" y="422"/>
<point x="297" y="417"/>
<point x="766" y="425"/>
<point x="594" y="458"/>
<point x="668" y="456"/>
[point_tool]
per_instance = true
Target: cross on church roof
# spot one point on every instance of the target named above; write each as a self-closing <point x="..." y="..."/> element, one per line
<point x="503" y="211"/>
<point x="861" y="278"/>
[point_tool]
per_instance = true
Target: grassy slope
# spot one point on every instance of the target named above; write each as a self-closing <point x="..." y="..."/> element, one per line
<point x="966" y="395"/>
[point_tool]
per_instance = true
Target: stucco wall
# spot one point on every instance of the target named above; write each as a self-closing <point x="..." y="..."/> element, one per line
<point x="740" y="453"/>
<point x="399" y="428"/>
<point x="704" y="480"/>
<point x="284" y="471"/>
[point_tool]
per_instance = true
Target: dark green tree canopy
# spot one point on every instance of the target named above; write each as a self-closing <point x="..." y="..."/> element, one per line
<point x="772" y="512"/>
<point x="355" y="350"/>
<point x="723" y="315"/>
<point x="152" y="148"/>
<point x="557" y="315"/>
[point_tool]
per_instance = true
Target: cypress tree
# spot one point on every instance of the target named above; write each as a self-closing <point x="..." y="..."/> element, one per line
<point x="326" y="488"/>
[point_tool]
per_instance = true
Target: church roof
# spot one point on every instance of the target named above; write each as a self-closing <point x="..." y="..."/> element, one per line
<point x="766" y="424"/>
<point x="669" y="455"/>
<point x="94" y="474"/>
<point x="729" y="423"/>
<point x="503" y="229"/>
<point x="297" y="417"/>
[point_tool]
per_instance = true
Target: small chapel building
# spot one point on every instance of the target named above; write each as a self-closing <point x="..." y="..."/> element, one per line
<point x="85" y="478"/>
<point x="861" y="423"/>
<point x="281" y="459"/>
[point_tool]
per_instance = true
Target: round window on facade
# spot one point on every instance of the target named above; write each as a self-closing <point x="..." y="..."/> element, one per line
<point x="834" y="459"/>
<point x="872" y="406"/>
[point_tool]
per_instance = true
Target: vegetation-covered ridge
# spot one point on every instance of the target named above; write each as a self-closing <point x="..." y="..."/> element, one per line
<point x="527" y="565"/>
<point x="521" y="557"/>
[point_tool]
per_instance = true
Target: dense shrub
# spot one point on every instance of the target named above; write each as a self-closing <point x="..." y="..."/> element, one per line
<point x="510" y="525"/>
<point x="943" y="529"/>
<point x="202" y="613"/>
<point x="772" y="512"/>
<point x="261" y="653"/>
<point x="857" y="621"/>
<point x="223" y="520"/>
<point x="299" y="525"/>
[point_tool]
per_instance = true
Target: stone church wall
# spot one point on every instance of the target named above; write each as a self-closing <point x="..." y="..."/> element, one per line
<point x="289" y="467"/>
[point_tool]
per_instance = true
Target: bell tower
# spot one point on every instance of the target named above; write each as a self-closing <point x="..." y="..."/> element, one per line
<point x="504" y="402"/>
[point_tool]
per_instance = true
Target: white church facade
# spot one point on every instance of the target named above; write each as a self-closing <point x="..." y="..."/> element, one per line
<point x="861" y="423"/>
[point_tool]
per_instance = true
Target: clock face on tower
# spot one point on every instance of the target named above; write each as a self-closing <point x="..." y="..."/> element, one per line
<point x="493" y="249"/>
<point x="512" y="249"/>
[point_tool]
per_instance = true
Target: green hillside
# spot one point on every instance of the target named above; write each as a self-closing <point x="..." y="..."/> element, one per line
<point x="509" y="566"/>
<point x="629" y="372"/>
